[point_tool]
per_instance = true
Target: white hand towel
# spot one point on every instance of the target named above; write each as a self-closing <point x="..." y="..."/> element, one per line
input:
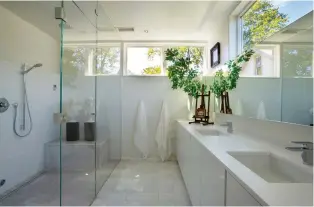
<point x="261" y="112"/>
<point x="162" y="134"/>
<point x="140" y="133"/>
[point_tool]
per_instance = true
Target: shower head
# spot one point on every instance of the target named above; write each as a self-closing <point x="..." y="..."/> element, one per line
<point x="37" y="65"/>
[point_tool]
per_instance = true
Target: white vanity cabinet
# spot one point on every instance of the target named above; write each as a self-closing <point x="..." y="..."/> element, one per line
<point x="194" y="176"/>
<point x="202" y="173"/>
<point x="236" y="195"/>
<point x="181" y="135"/>
<point x="188" y="159"/>
<point x="212" y="188"/>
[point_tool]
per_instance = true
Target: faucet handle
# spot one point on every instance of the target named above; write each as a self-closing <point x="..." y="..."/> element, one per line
<point x="306" y="144"/>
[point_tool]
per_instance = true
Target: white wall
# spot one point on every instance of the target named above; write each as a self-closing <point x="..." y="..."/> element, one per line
<point x="219" y="35"/>
<point x="21" y="42"/>
<point x="250" y="92"/>
<point x="297" y="100"/>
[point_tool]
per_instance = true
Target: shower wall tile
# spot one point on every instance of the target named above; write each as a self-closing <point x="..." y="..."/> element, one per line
<point x="21" y="42"/>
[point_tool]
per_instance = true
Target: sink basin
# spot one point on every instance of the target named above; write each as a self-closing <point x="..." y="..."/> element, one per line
<point x="208" y="132"/>
<point x="273" y="169"/>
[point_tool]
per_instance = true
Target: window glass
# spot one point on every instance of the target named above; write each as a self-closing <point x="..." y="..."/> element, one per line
<point x="297" y="60"/>
<point x="107" y="61"/>
<point x="144" y="61"/>
<point x="76" y="58"/>
<point x="196" y="54"/>
<point x="91" y="61"/>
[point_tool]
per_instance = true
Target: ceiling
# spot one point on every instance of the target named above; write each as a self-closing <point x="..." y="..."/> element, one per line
<point x="163" y="20"/>
<point x="299" y="31"/>
<point x="192" y="20"/>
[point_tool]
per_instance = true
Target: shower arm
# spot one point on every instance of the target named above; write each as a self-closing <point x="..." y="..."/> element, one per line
<point x="22" y="127"/>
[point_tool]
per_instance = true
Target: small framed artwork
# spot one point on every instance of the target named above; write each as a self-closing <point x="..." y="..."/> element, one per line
<point x="215" y="55"/>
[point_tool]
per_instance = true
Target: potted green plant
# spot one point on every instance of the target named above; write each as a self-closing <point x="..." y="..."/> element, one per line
<point x="227" y="81"/>
<point x="182" y="74"/>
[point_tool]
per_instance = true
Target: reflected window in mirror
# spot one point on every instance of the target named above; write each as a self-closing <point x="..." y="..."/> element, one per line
<point x="297" y="60"/>
<point x="277" y="83"/>
<point x="264" y="18"/>
<point x="259" y="27"/>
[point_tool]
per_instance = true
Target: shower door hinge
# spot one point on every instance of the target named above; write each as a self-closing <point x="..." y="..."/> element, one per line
<point x="59" y="118"/>
<point x="60" y="13"/>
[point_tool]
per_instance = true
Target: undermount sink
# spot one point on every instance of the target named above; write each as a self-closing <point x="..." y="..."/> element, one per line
<point x="271" y="168"/>
<point x="208" y="132"/>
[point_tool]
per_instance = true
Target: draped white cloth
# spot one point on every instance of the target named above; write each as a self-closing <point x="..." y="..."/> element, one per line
<point x="261" y="112"/>
<point x="162" y="134"/>
<point x="140" y="132"/>
<point x="239" y="109"/>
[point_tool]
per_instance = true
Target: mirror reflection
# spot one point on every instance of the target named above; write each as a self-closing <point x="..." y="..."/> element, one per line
<point x="277" y="82"/>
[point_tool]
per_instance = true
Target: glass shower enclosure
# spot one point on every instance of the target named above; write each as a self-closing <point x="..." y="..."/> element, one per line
<point x="69" y="152"/>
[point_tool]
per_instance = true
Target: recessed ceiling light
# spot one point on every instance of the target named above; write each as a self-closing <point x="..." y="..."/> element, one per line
<point x="146" y="31"/>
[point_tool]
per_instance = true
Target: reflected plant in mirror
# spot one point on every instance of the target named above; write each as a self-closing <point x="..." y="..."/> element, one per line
<point x="227" y="81"/>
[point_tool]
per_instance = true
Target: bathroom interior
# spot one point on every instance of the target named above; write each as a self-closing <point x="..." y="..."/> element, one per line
<point x="95" y="108"/>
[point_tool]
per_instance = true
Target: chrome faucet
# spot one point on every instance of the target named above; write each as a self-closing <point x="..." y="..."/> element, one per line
<point x="306" y="149"/>
<point x="229" y="126"/>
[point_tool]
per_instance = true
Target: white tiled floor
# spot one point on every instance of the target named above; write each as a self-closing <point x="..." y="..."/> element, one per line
<point x="144" y="183"/>
<point x="78" y="189"/>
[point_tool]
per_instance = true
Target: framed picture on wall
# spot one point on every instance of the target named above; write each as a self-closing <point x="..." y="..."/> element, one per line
<point x="215" y="55"/>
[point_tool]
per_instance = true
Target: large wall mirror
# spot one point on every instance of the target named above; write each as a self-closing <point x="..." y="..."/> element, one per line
<point x="277" y="82"/>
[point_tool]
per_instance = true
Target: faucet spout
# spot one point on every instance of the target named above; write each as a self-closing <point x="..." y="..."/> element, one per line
<point x="307" y="151"/>
<point x="229" y="126"/>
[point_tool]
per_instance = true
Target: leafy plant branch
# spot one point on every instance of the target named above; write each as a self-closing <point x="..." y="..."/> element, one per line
<point x="181" y="73"/>
<point x="227" y="81"/>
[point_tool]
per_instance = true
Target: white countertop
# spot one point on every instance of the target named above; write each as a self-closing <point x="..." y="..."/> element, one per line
<point x="273" y="194"/>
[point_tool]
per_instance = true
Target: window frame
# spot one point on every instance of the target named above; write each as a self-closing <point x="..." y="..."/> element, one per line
<point x="276" y="49"/>
<point x="236" y="35"/>
<point x="240" y="25"/>
<point x="162" y="46"/>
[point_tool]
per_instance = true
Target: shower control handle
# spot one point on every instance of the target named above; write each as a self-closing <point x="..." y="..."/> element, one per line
<point x="2" y="182"/>
<point x="4" y="105"/>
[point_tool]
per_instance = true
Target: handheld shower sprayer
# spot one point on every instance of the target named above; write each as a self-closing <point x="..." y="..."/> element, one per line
<point x="25" y="106"/>
<point x="37" y="65"/>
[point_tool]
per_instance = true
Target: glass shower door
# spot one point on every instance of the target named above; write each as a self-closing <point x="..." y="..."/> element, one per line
<point x="77" y="104"/>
